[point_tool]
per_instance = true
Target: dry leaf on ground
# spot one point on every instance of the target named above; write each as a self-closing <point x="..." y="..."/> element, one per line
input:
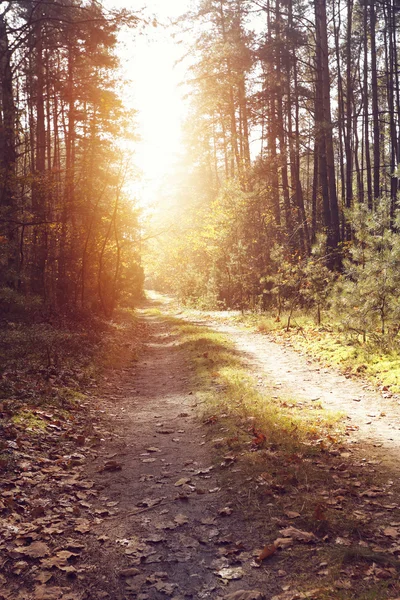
<point x="245" y="595"/>
<point x="111" y="465"/>
<point x="182" y="481"/>
<point x="298" y="535"/>
<point x="231" y="573"/>
<point x="267" y="551"/>
<point x="181" y="519"/>
<point x="35" y="550"/>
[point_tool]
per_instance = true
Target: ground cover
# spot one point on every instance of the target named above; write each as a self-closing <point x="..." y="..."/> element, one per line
<point x="197" y="476"/>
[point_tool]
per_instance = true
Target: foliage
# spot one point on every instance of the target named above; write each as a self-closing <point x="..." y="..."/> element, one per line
<point x="69" y="233"/>
<point x="367" y="292"/>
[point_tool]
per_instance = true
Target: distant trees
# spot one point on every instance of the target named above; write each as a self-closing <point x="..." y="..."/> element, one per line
<point x="297" y="106"/>
<point x="69" y="235"/>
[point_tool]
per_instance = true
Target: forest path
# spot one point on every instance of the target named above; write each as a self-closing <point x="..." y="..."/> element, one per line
<point x="186" y="526"/>
<point x="372" y="418"/>
<point x="174" y="524"/>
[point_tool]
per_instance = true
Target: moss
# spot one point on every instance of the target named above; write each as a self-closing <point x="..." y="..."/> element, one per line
<point x="29" y="421"/>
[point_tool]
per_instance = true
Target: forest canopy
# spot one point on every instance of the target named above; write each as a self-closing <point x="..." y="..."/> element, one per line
<point x="68" y="230"/>
<point x="293" y="142"/>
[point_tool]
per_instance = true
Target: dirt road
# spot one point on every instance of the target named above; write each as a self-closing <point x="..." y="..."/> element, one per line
<point x="169" y="515"/>
<point x="177" y="532"/>
<point x="175" y="523"/>
<point x="156" y="503"/>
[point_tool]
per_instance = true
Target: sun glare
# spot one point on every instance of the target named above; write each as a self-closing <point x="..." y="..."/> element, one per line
<point x="149" y="63"/>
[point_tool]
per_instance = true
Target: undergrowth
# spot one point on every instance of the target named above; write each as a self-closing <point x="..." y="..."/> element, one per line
<point x="48" y="369"/>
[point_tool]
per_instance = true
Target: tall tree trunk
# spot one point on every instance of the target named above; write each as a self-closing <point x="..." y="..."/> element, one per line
<point x="366" y="108"/>
<point x="39" y="192"/>
<point x="324" y="125"/>
<point x="8" y="157"/>
<point x="375" y="106"/>
<point x="349" y="108"/>
<point x="281" y="126"/>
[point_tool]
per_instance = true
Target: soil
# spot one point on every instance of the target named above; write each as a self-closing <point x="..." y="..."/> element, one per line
<point x="179" y="523"/>
<point x="175" y="519"/>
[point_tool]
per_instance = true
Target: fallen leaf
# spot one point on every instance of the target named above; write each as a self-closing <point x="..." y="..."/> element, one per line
<point x="230" y="573"/>
<point x="210" y="420"/>
<point x="267" y="551"/>
<point x="319" y="512"/>
<point x="339" y="541"/>
<point x="149" y="502"/>
<point x="208" y="521"/>
<point x="129" y="572"/>
<point x="226" y="511"/>
<point x="35" y="550"/>
<point x="245" y="595"/>
<point x="181" y="519"/>
<point x="182" y="481"/>
<point x="298" y="535"/>
<point x="165" y="588"/>
<point x="391" y="532"/>
<point x="83" y="526"/>
<point x="111" y="465"/>
<point x="66" y="554"/>
<point x="43" y="592"/>
<point x="291" y="514"/>
<point x="44" y="576"/>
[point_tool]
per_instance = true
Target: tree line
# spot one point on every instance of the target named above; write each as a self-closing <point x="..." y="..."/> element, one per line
<point x="68" y="231"/>
<point x="294" y="122"/>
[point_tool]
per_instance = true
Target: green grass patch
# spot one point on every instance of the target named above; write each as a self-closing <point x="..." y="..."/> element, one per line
<point x="28" y="421"/>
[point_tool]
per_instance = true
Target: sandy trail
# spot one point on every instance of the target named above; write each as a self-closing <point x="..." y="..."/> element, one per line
<point x="375" y="419"/>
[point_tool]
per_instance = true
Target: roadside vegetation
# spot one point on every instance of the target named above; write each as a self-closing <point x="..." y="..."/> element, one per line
<point x="349" y="318"/>
<point x="331" y="345"/>
<point x="47" y="370"/>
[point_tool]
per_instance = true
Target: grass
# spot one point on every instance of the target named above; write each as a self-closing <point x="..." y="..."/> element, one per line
<point x="29" y="421"/>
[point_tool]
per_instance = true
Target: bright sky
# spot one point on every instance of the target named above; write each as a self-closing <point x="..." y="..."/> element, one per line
<point x="149" y="62"/>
